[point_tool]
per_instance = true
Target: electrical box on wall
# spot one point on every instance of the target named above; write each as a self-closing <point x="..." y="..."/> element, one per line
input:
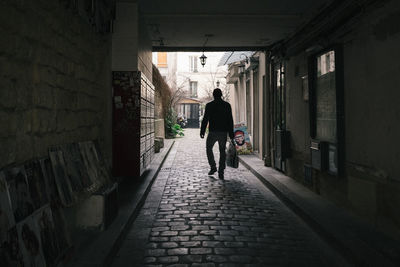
<point x="319" y="155"/>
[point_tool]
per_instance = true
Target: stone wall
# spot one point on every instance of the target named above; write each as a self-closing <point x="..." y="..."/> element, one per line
<point x="54" y="80"/>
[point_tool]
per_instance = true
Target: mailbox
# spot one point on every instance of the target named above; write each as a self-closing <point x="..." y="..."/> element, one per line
<point x="319" y="155"/>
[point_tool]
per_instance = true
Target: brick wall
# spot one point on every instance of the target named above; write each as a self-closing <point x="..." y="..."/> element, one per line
<point x="54" y="80"/>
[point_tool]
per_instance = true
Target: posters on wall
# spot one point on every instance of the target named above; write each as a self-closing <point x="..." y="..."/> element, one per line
<point x="89" y="161"/>
<point x="6" y="213"/>
<point x="74" y="160"/>
<point x="30" y="243"/>
<point x="10" y="250"/>
<point x="31" y="233"/>
<point x="242" y="139"/>
<point x="33" y="229"/>
<point x="21" y="202"/>
<point x="61" y="177"/>
<point x="93" y="162"/>
<point x="55" y="204"/>
<point x="101" y="162"/>
<point x="60" y="230"/>
<point x="72" y="168"/>
<point x="34" y="241"/>
<point x="36" y="182"/>
<point x="43" y="221"/>
<point x="50" y="182"/>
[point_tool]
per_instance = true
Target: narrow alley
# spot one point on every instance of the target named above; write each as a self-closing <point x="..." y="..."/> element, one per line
<point x="95" y="96"/>
<point x="192" y="219"/>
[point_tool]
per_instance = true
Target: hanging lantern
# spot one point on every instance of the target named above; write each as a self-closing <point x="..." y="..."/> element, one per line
<point x="203" y="60"/>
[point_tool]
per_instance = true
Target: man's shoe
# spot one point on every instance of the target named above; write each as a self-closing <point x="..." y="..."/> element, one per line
<point x="221" y="176"/>
<point x="212" y="171"/>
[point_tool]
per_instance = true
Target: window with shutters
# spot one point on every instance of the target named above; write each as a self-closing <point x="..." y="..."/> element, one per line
<point x="193" y="89"/>
<point x="162" y="59"/>
<point x="193" y="63"/>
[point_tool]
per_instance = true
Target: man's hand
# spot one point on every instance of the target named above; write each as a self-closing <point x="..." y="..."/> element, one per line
<point x="201" y="136"/>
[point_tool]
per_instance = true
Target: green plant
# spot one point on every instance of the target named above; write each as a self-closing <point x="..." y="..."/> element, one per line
<point x="170" y="119"/>
<point x="172" y="129"/>
<point x="177" y="129"/>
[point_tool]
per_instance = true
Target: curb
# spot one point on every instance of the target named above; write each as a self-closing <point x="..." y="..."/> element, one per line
<point x="114" y="249"/>
<point x="102" y="248"/>
<point x="359" y="243"/>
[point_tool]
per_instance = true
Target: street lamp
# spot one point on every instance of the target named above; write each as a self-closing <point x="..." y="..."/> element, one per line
<point x="203" y="57"/>
<point x="246" y="57"/>
<point x="203" y="60"/>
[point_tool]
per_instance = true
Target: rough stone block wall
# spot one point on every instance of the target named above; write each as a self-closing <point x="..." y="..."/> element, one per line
<point x="54" y="80"/>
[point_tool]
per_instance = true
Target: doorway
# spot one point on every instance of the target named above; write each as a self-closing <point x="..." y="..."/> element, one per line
<point x="279" y="117"/>
<point x="256" y="112"/>
<point x="248" y="105"/>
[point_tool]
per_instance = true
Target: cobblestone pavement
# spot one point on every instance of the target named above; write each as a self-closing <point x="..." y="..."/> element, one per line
<point x="192" y="219"/>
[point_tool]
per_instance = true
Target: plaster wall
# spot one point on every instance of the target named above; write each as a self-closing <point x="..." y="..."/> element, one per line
<point x="371" y="185"/>
<point x="54" y="80"/>
<point x="233" y="100"/>
<point x="372" y="64"/>
<point x="144" y="59"/>
<point x="125" y="37"/>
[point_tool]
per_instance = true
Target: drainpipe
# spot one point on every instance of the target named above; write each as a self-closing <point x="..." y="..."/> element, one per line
<point x="267" y="111"/>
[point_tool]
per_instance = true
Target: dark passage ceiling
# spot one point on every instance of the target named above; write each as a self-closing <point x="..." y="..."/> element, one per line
<point x="178" y="25"/>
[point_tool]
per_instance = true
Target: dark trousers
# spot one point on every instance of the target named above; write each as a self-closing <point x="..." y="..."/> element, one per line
<point x="221" y="138"/>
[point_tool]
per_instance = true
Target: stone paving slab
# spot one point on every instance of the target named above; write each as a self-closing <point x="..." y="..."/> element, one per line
<point x="357" y="240"/>
<point x="192" y="219"/>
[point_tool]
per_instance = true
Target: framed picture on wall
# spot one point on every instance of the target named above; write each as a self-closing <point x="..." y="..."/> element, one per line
<point x="29" y="242"/>
<point x="43" y="221"/>
<point x="61" y="177"/>
<point x="20" y="196"/>
<point x="10" y="249"/>
<point x="36" y="183"/>
<point x="7" y="220"/>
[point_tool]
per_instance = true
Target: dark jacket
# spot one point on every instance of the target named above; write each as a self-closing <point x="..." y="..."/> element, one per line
<point x="219" y="114"/>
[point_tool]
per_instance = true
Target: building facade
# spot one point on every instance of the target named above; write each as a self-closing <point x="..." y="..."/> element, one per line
<point x="185" y="74"/>
<point x="313" y="113"/>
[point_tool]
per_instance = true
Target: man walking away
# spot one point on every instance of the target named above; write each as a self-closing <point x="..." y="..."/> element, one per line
<point x="219" y="116"/>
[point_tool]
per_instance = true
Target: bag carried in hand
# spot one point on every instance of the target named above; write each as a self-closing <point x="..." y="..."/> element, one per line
<point x="232" y="159"/>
